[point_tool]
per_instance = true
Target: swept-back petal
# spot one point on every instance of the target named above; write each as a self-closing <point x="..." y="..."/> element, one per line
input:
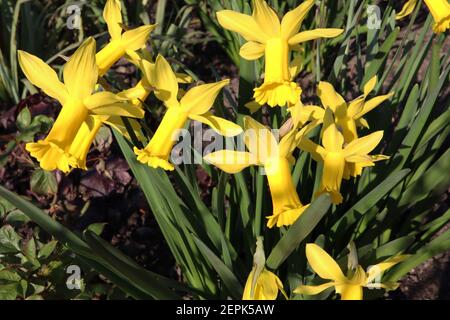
<point x="266" y="18"/>
<point x="113" y="17"/>
<point x="200" y="99"/>
<point x="292" y="20"/>
<point x="373" y="103"/>
<point x="231" y="161"/>
<point x="135" y="39"/>
<point x="42" y="76"/>
<point x="376" y="271"/>
<point x="314" y="34"/>
<point x="259" y="140"/>
<point x="252" y="50"/>
<point x="243" y="24"/>
<point x="364" y="145"/>
<point x="323" y="264"/>
<point x="222" y="126"/>
<point x="165" y="82"/>
<point x="370" y="85"/>
<point x="329" y="97"/>
<point x="312" y="290"/>
<point x="407" y="9"/>
<point x="81" y="71"/>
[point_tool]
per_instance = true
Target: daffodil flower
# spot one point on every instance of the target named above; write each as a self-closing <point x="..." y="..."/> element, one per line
<point x="269" y="37"/>
<point x="131" y="40"/>
<point x="261" y="283"/>
<point x="336" y="155"/>
<point x="143" y="88"/>
<point x="350" y="115"/>
<point x="78" y="104"/>
<point x="349" y="286"/>
<point x="440" y="10"/>
<point x="194" y="105"/>
<point x="276" y="159"/>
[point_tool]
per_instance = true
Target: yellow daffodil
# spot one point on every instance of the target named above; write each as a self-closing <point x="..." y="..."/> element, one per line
<point x="131" y="40"/>
<point x="78" y="103"/>
<point x="349" y="286"/>
<point x="276" y="159"/>
<point x="194" y="105"/>
<point x="261" y="283"/>
<point x="269" y="37"/>
<point x="335" y="155"/>
<point x="440" y="10"/>
<point x="143" y="88"/>
<point x="350" y="115"/>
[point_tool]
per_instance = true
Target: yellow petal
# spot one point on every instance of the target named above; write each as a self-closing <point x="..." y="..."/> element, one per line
<point x="113" y="17"/>
<point x="42" y="76"/>
<point x="312" y="290"/>
<point x="118" y="124"/>
<point x="253" y="106"/>
<point x="183" y="78"/>
<point x="377" y="270"/>
<point x="361" y="122"/>
<point x="101" y="98"/>
<point x="317" y="152"/>
<point x="135" y="39"/>
<point x="266" y="18"/>
<point x="119" y="109"/>
<point x="259" y="140"/>
<point x="224" y="127"/>
<point x="200" y="99"/>
<point x="370" y="85"/>
<point x="407" y="9"/>
<point x="323" y="264"/>
<point x="292" y="20"/>
<point x="351" y="292"/>
<point x="269" y="283"/>
<point x="329" y="97"/>
<point x="295" y="66"/>
<point x="231" y="161"/>
<point x="302" y="114"/>
<point x="373" y="103"/>
<point x="252" y="50"/>
<point x="81" y="71"/>
<point x="165" y="82"/>
<point x="243" y="24"/>
<point x="332" y="138"/>
<point x="364" y="145"/>
<point x="314" y="34"/>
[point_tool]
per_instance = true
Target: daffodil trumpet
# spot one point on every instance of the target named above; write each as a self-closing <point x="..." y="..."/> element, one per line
<point x="349" y="286"/>
<point x="276" y="159"/>
<point x="130" y="40"/>
<point x="78" y="101"/>
<point x="261" y="283"/>
<point x="336" y="155"/>
<point x="267" y="36"/>
<point x="440" y="10"/>
<point x="194" y="105"/>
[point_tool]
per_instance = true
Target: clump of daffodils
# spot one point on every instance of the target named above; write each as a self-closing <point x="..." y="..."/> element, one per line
<point x="342" y="150"/>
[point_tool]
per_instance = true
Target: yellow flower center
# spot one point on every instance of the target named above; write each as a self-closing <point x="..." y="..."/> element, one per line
<point x="440" y="10"/>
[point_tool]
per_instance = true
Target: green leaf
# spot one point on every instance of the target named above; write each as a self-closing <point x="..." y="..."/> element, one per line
<point x="298" y="231"/>
<point x="9" y="240"/>
<point x="47" y="249"/>
<point x="229" y="279"/>
<point x="97" y="228"/>
<point x="43" y="182"/>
